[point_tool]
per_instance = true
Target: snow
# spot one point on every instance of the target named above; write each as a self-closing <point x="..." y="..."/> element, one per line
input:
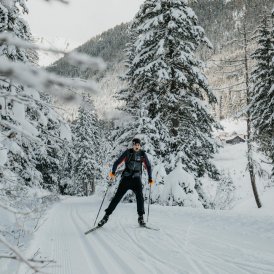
<point x="57" y="43"/>
<point x="174" y="186"/>
<point x="18" y="114"/>
<point x="8" y="4"/>
<point x="3" y="151"/>
<point x="230" y="126"/>
<point x="3" y="155"/>
<point x="65" y="132"/>
<point x="189" y="241"/>
<point x="267" y="201"/>
<point x="232" y="161"/>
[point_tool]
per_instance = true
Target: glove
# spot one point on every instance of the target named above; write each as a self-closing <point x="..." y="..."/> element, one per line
<point x="111" y="175"/>
<point x="150" y="181"/>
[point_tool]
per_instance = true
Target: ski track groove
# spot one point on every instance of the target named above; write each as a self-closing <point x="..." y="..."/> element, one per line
<point x="124" y="267"/>
<point x="134" y="250"/>
<point x="238" y="265"/>
<point x="149" y="254"/>
<point x="197" y="265"/>
<point x="142" y="255"/>
<point x="206" y="259"/>
<point x="67" y="255"/>
<point x="120" y="249"/>
<point x="99" y="265"/>
<point x="57" y="247"/>
<point x="247" y="267"/>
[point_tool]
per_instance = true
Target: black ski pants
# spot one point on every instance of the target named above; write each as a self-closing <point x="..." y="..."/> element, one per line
<point x="133" y="183"/>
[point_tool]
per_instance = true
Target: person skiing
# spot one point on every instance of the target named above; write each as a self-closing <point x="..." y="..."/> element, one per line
<point x="131" y="179"/>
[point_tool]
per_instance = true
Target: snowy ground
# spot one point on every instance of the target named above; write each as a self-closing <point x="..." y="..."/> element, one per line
<point x="190" y="241"/>
<point x="232" y="161"/>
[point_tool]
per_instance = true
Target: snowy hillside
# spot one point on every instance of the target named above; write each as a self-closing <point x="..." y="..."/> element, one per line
<point x="47" y="58"/>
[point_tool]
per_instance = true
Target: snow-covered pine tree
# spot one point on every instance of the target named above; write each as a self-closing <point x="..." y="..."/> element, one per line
<point x="54" y="158"/>
<point x="14" y="119"/>
<point x="262" y="104"/>
<point x="26" y="118"/>
<point x="86" y="165"/>
<point x="166" y="83"/>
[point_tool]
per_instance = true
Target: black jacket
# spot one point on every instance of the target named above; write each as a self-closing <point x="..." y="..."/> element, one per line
<point x="133" y="163"/>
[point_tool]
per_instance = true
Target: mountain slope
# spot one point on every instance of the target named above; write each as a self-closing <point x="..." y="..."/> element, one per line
<point x="220" y="19"/>
<point x="109" y="45"/>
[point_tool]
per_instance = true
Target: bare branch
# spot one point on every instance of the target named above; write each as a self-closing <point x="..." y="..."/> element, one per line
<point x="229" y="86"/>
<point x="229" y="72"/>
<point x="12" y="210"/>
<point x="30" y="260"/>
<point x="61" y="1"/>
<point x="18" y="255"/>
<point x="228" y="61"/>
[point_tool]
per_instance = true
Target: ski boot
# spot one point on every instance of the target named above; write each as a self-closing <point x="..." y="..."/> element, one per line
<point x="141" y="220"/>
<point x="103" y="221"/>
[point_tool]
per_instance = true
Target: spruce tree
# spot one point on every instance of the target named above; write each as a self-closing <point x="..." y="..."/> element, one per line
<point x="26" y="116"/>
<point x="86" y="165"/>
<point x="15" y="120"/>
<point x="262" y="104"/>
<point x="167" y="89"/>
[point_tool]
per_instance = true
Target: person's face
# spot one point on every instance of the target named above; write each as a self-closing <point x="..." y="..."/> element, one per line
<point x="136" y="147"/>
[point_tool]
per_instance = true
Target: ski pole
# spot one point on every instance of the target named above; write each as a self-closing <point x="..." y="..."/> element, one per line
<point x="102" y="203"/>
<point x="148" y="201"/>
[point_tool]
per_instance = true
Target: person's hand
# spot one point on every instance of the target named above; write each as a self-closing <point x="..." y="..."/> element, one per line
<point x="150" y="181"/>
<point x="111" y="175"/>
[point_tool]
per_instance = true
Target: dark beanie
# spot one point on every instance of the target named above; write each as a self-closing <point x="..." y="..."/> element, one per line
<point x="136" y="141"/>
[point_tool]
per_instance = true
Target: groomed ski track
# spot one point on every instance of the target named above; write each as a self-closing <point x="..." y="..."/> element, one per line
<point x="190" y="241"/>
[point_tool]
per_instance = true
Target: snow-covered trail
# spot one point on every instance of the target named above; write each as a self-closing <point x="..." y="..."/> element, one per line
<point x="190" y="241"/>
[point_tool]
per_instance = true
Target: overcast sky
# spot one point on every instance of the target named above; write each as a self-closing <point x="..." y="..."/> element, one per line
<point x="81" y="19"/>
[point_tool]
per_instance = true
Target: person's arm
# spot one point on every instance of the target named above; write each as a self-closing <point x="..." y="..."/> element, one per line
<point x="148" y="166"/>
<point x="119" y="161"/>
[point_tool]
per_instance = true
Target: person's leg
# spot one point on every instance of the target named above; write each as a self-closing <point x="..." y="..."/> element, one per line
<point x="138" y="190"/>
<point x="122" y="189"/>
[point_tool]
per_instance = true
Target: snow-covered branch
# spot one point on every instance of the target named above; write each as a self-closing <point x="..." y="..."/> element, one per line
<point x="18" y="255"/>
<point x="12" y="210"/>
<point x="75" y="58"/>
<point x="61" y="1"/>
<point x="40" y="79"/>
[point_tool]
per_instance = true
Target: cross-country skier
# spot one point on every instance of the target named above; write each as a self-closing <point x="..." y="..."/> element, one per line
<point x="131" y="179"/>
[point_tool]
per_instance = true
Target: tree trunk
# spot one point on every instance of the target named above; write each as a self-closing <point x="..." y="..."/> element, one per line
<point x="249" y="146"/>
<point x="93" y="186"/>
<point x="86" y="188"/>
